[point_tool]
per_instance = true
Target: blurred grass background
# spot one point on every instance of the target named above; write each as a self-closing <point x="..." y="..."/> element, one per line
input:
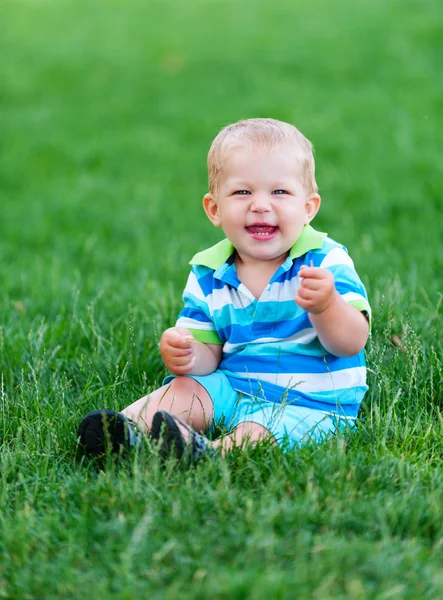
<point x="107" y="110"/>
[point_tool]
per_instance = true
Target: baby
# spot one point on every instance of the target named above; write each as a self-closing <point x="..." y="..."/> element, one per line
<point x="275" y="318"/>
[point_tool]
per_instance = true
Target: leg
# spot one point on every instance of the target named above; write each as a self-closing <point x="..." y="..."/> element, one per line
<point x="279" y="423"/>
<point x="247" y="432"/>
<point x="178" y="438"/>
<point x="183" y="397"/>
<point x="288" y="425"/>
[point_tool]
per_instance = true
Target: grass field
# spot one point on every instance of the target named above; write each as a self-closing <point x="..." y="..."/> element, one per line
<point x="107" y="109"/>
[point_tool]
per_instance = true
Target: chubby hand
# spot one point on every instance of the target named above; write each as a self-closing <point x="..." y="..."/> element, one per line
<point x="317" y="290"/>
<point x="177" y="350"/>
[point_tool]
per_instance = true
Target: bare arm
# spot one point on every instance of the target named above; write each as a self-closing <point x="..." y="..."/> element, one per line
<point x="207" y="358"/>
<point x="341" y="328"/>
<point x="183" y="355"/>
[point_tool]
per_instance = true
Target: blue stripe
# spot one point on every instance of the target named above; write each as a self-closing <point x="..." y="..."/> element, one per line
<point x="208" y="283"/>
<point x="196" y="315"/>
<point x="285" y="363"/>
<point x="194" y="303"/>
<point x="237" y="334"/>
<point x="345" y="402"/>
<point x="314" y="258"/>
<point x="276" y="349"/>
<point x="292" y="316"/>
<point x="228" y="314"/>
<point x="347" y="280"/>
<point x="329" y="244"/>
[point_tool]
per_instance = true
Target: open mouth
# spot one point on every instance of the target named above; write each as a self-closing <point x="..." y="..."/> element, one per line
<point x="262" y="231"/>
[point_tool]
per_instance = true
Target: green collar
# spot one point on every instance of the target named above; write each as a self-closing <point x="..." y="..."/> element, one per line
<point x="214" y="257"/>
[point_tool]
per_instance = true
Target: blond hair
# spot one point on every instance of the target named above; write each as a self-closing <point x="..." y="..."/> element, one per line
<point x="262" y="134"/>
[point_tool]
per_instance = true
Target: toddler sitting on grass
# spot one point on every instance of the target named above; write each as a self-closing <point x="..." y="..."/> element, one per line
<point x="275" y="318"/>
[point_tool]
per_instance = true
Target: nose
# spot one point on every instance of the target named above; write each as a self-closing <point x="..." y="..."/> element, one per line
<point x="260" y="203"/>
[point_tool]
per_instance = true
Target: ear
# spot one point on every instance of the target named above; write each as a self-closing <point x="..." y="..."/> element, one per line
<point x="312" y="206"/>
<point x="211" y="209"/>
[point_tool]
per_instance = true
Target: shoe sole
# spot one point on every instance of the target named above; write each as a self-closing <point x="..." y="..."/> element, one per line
<point x="167" y="435"/>
<point x="102" y="429"/>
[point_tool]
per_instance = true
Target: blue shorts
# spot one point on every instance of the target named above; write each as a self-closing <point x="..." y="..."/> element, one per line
<point x="289" y="424"/>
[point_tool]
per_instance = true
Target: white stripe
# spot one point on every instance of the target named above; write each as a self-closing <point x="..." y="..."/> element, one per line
<point x="224" y="296"/>
<point x="281" y="291"/>
<point x="353" y="296"/>
<point x="244" y="290"/>
<point x="314" y="382"/>
<point x="337" y="257"/>
<point x="193" y="324"/>
<point x="242" y="298"/>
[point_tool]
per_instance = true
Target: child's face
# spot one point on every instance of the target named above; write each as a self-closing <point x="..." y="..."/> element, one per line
<point x="261" y="204"/>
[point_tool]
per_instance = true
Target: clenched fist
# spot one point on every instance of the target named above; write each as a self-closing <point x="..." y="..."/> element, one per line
<point x="317" y="290"/>
<point x="177" y="350"/>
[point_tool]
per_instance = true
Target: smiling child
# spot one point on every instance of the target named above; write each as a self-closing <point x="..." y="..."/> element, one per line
<point x="275" y="319"/>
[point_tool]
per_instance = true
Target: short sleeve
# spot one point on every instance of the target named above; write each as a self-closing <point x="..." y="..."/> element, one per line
<point x="347" y="281"/>
<point x="196" y="312"/>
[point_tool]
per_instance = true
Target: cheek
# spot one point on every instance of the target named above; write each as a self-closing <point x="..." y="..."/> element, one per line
<point x="230" y="214"/>
<point x="292" y="215"/>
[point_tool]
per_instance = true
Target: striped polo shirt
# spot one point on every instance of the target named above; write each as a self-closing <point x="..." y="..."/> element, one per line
<point x="270" y="348"/>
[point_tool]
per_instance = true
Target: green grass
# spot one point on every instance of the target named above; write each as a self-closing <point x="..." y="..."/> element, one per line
<point x="107" y="110"/>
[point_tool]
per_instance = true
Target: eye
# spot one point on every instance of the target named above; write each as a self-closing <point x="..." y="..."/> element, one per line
<point x="280" y="193"/>
<point x="241" y="193"/>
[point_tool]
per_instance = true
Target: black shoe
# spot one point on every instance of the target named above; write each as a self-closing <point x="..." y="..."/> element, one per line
<point x="171" y="442"/>
<point x="102" y="429"/>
